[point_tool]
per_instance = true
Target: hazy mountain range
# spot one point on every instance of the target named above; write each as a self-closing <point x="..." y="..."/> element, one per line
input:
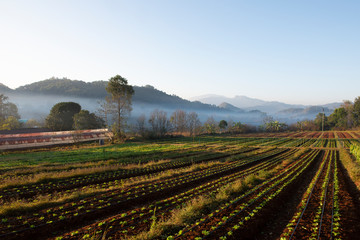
<point x="35" y="101"/>
<point x="247" y="103"/>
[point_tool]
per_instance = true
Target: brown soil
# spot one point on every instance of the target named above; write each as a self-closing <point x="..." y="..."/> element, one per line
<point x="349" y="206"/>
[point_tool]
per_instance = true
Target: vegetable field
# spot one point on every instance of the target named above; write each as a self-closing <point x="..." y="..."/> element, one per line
<point x="252" y="186"/>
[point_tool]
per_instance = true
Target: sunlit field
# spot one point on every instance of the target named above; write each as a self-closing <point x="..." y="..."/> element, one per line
<point x="299" y="185"/>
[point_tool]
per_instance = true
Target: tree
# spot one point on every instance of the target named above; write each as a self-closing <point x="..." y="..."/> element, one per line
<point x="10" y="123"/>
<point x="275" y="126"/>
<point x="194" y="124"/>
<point x="32" y="123"/>
<point x="179" y="120"/>
<point x="321" y="122"/>
<point x="223" y="124"/>
<point x="61" y="116"/>
<point x="267" y="123"/>
<point x="338" y="119"/>
<point x="3" y="102"/>
<point x="349" y="108"/>
<point x="9" y="116"/>
<point x="238" y="127"/>
<point x="86" y="120"/>
<point x="159" y="123"/>
<point x="7" y="108"/>
<point x="210" y="125"/>
<point x="103" y="111"/>
<point x="140" y="125"/>
<point x="119" y="101"/>
<point x="356" y="112"/>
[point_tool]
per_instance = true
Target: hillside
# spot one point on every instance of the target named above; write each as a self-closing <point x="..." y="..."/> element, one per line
<point x="65" y="87"/>
<point x="4" y="89"/>
<point x="76" y="88"/>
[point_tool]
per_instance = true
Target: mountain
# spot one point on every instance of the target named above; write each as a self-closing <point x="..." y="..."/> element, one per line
<point x="4" y="89"/>
<point x="298" y="114"/>
<point x="238" y="101"/>
<point x="246" y="103"/>
<point x="97" y="89"/>
<point x="332" y="106"/>
<point x="269" y="107"/>
<point x="306" y="111"/>
<point x="65" y="87"/>
<point x="230" y="107"/>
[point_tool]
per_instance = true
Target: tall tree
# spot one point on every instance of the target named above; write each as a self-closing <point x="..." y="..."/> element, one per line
<point x="159" y="123"/>
<point x="321" y="122"/>
<point x="120" y="101"/>
<point x="9" y="116"/>
<point x="61" y="116"/>
<point x="103" y="111"/>
<point x="194" y="124"/>
<point x="140" y="125"/>
<point x="179" y="121"/>
<point x="356" y="112"/>
<point x="210" y="125"/>
<point x="7" y="108"/>
<point x="338" y="119"/>
<point x="349" y="108"/>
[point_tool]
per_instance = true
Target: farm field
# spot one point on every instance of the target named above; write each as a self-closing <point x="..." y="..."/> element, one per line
<point x="248" y="186"/>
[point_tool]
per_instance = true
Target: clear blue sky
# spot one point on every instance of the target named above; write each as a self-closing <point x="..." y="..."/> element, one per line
<point x="305" y="52"/>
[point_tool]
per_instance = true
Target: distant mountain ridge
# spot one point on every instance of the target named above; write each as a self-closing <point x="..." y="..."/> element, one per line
<point x="237" y="101"/>
<point x="247" y="103"/>
<point x="97" y="89"/>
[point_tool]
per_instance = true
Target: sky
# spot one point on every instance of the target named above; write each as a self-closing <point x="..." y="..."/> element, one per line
<point x="298" y="52"/>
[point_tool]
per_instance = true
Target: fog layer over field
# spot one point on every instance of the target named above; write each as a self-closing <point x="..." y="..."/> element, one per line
<point x="38" y="107"/>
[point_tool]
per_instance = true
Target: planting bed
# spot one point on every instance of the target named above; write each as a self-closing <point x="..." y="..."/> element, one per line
<point x="240" y="184"/>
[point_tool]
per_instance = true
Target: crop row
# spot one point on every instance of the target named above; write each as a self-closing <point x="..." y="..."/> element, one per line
<point x="325" y="143"/>
<point x="137" y="220"/>
<point x="235" y="215"/>
<point x="114" y="199"/>
<point x="345" y="143"/>
<point x="129" y="153"/>
<point x="300" y="142"/>
<point x="63" y="184"/>
<point x="53" y="161"/>
<point x="344" y="135"/>
<point x="318" y="216"/>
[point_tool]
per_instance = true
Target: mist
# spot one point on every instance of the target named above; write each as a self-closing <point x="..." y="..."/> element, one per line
<point x="38" y="107"/>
